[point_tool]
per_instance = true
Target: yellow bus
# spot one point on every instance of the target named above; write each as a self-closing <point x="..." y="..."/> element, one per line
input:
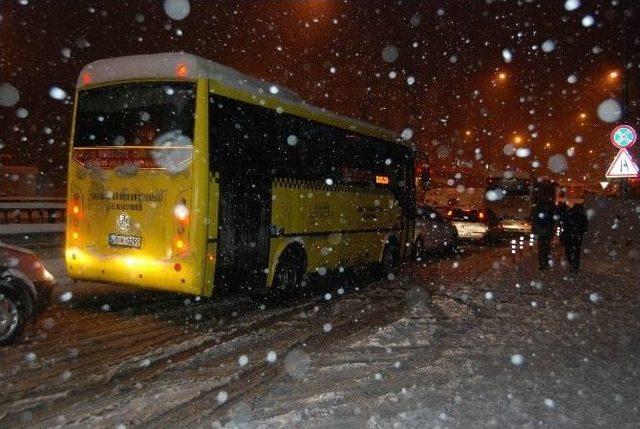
<point x="186" y="175"/>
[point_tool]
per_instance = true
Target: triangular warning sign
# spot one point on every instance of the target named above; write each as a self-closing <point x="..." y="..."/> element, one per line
<point x="622" y="166"/>
<point x="604" y="185"/>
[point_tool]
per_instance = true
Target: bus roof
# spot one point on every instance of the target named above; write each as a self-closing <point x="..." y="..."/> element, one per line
<point x="180" y="65"/>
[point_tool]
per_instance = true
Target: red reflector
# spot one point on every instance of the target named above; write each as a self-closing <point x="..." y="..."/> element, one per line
<point x="177" y="266"/>
<point x="181" y="70"/>
<point x="86" y="79"/>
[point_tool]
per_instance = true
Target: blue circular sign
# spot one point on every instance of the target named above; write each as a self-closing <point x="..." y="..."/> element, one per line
<point x="623" y="136"/>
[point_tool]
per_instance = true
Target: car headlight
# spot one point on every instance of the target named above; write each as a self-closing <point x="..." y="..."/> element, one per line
<point x="48" y="276"/>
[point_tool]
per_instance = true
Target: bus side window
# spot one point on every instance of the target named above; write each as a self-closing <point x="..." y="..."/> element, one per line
<point x="288" y="145"/>
<point x="320" y="154"/>
<point x="353" y="160"/>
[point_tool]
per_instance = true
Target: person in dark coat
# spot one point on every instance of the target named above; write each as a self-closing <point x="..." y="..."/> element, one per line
<point x="543" y="223"/>
<point x="561" y="210"/>
<point x="574" y="225"/>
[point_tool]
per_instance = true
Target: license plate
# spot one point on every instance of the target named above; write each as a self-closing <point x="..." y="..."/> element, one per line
<point x="124" y="241"/>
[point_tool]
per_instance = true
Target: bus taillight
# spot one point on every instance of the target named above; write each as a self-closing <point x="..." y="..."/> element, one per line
<point x="181" y="226"/>
<point x="75" y="214"/>
<point x="181" y="212"/>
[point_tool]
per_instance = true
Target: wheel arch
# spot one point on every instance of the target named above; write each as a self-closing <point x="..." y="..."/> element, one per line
<point x="418" y="237"/>
<point x="389" y="238"/>
<point x="295" y="244"/>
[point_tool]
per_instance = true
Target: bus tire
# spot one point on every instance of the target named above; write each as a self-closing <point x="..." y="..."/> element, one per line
<point x="418" y="250"/>
<point x="453" y="246"/>
<point x="389" y="259"/>
<point x="289" y="273"/>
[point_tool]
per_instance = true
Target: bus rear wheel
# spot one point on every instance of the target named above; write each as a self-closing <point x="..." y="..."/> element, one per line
<point x="418" y="250"/>
<point x="389" y="260"/>
<point x="289" y="273"/>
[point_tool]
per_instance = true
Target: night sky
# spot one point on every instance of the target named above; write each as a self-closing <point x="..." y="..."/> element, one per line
<point x="330" y="52"/>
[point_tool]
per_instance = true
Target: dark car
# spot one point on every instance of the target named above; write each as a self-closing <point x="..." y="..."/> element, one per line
<point x="433" y="233"/>
<point x="25" y="289"/>
<point x="475" y="224"/>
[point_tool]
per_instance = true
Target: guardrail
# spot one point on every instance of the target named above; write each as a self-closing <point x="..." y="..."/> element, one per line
<point x="32" y="215"/>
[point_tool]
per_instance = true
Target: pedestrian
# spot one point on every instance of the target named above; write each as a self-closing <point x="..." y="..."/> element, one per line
<point x="561" y="210"/>
<point x="542" y="224"/>
<point x="574" y="225"/>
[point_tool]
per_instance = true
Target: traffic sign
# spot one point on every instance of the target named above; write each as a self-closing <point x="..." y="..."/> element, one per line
<point x="604" y="184"/>
<point x="623" y="136"/>
<point x="622" y="166"/>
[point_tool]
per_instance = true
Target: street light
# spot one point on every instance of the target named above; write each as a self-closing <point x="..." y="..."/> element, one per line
<point x="502" y="76"/>
<point x="614" y="75"/>
<point x="517" y="139"/>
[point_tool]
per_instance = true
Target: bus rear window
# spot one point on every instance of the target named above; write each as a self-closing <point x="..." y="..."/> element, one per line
<point x="509" y="187"/>
<point x="136" y="114"/>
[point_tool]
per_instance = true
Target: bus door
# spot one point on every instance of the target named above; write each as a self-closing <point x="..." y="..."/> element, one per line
<point x="245" y="196"/>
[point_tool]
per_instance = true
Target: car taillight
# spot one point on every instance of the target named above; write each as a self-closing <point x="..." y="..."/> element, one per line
<point x="181" y="226"/>
<point x="75" y="215"/>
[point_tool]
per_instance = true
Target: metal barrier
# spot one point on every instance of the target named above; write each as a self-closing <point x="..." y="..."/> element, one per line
<point x="32" y="215"/>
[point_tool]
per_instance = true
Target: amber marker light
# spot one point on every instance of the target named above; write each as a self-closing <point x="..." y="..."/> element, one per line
<point x="179" y="244"/>
<point x="182" y="70"/>
<point x="382" y="180"/>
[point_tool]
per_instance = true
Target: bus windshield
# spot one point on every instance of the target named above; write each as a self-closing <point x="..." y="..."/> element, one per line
<point x="136" y="114"/>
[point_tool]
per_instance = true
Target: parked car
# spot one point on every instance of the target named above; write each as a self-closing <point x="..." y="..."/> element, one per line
<point x="516" y="226"/>
<point x="433" y="233"/>
<point x="25" y="289"/>
<point x="475" y="224"/>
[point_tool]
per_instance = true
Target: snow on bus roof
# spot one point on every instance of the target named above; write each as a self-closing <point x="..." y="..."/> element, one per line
<point x="187" y="66"/>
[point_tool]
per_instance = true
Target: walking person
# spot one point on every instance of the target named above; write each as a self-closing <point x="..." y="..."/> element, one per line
<point x="542" y="223"/>
<point x="574" y="225"/>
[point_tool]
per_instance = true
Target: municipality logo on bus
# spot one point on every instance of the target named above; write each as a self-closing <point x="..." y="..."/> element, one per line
<point x="123" y="222"/>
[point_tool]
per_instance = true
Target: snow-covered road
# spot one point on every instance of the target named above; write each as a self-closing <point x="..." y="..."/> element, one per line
<point x="478" y="340"/>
